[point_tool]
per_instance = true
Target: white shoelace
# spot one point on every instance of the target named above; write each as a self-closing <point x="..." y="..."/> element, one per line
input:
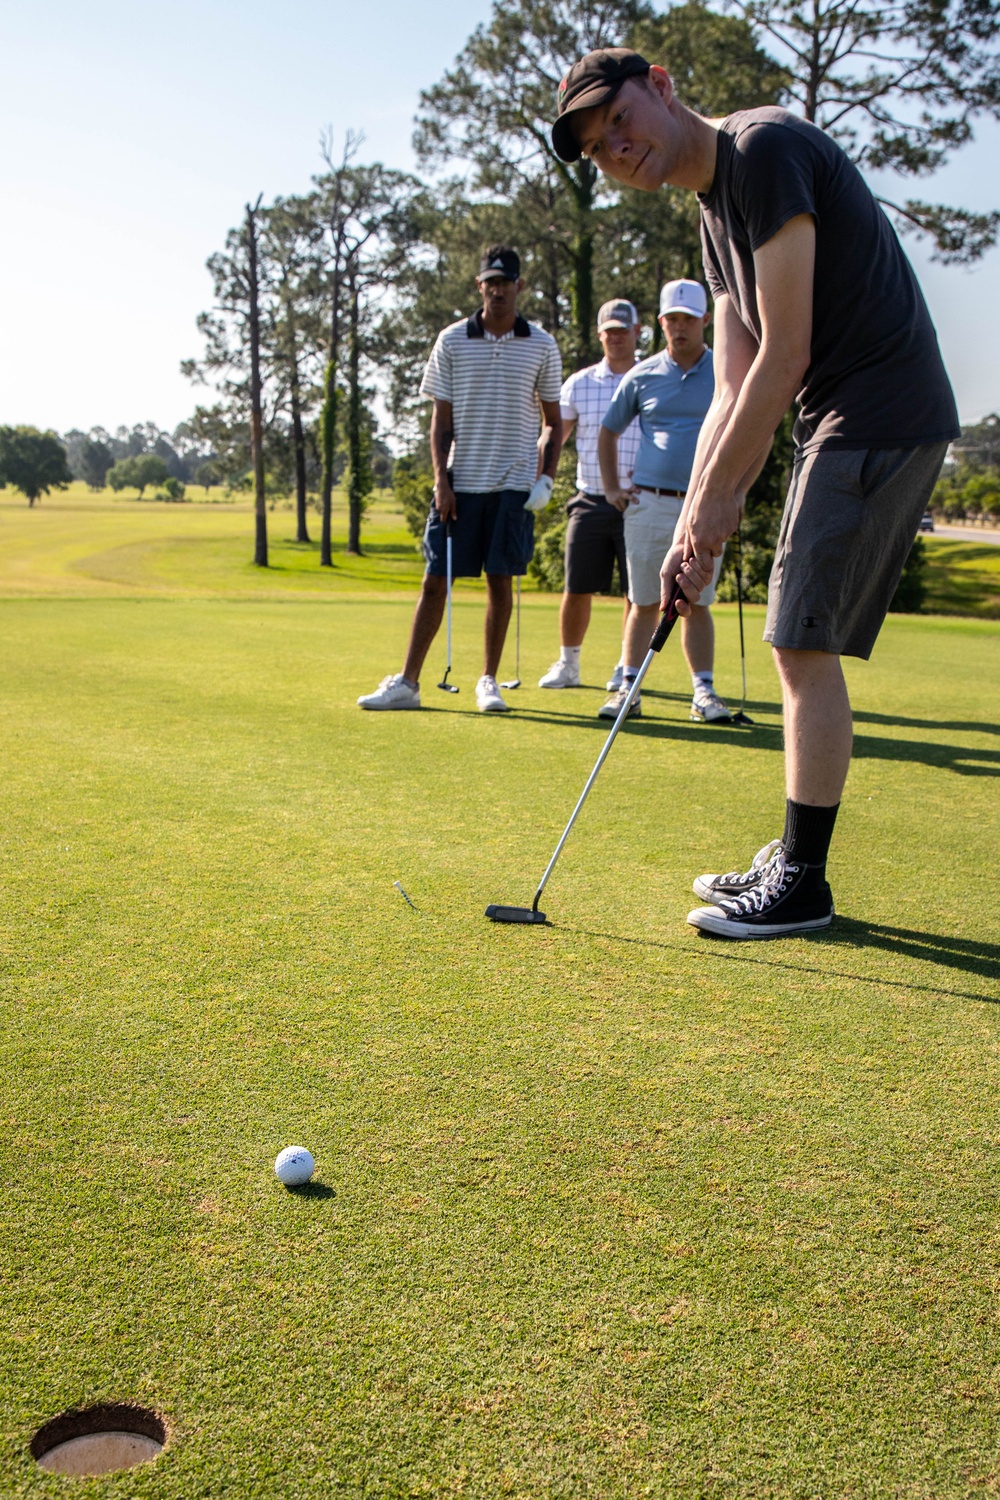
<point x="772" y="885"/>
<point x="761" y="858"/>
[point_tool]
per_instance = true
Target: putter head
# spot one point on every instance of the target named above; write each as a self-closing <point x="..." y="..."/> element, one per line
<point x="741" y="720"/>
<point x="515" y="914"/>
<point x="509" y="686"/>
<point x="447" y="687"/>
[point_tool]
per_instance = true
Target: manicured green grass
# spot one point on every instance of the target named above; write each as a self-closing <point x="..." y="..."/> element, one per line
<point x="603" y="1209"/>
<point x="963" y="578"/>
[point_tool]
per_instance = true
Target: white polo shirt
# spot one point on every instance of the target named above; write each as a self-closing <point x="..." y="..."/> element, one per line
<point x="584" y="400"/>
<point x="494" y="386"/>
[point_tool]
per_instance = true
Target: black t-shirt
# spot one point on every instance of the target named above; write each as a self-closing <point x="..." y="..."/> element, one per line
<point x="876" y="378"/>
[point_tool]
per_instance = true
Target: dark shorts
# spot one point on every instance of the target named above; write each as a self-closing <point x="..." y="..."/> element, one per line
<point x="595" y="542"/>
<point x="849" y="522"/>
<point x="492" y="531"/>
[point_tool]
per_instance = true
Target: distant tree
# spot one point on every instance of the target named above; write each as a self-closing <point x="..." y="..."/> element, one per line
<point x="979" y="445"/>
<point x="172" y="488"/>
<point x="373" y="218"/>
<point x="413" y="489"/>
<point x="95" y="461"/>
<point x="911" y="591"/>
<point x="138" y="472"/>
<point x="33" y="462"/>
<point x="291" y="238"/>
<point x="492" y="110"/>
<point x="900" y="84"/>
<point x="207" y="474"/>
<point x="256" y="399"/>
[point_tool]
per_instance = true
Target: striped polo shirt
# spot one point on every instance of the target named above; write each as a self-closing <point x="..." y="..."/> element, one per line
<point x="585" y="398"/>
<point x="494" y="386"/>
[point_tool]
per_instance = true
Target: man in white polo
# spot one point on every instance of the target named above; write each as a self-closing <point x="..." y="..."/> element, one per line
<point x="487" y="376"/>
<point x="670" y="393"/>
<point x="595" y="535"/>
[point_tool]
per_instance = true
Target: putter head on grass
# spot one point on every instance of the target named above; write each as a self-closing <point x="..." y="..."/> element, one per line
<point x="515" y="914"/>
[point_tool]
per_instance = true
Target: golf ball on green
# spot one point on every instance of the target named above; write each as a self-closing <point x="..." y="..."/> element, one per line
<point x="294" y="1166"/>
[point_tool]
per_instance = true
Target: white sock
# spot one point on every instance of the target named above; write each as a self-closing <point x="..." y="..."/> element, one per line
<point x="702" y="681"/>
<point x="570" y="654"/>
<point x="629" y="674"/>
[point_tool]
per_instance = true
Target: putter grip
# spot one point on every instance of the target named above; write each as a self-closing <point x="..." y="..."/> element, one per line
<point x="667" y="620"/>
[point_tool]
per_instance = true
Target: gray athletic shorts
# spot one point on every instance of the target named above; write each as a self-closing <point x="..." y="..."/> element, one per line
<point x="849" y="521"/>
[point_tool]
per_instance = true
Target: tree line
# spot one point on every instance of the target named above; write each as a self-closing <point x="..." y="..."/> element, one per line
<point x="354" y="279"/>
<point x="326" y="304"/>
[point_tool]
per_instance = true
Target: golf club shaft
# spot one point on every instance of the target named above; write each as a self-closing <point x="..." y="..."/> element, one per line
<point x="739" y="607"/>
<point x="448" y="566"/>
<point x="660" y="635"/>
<point x="517" y="665"/>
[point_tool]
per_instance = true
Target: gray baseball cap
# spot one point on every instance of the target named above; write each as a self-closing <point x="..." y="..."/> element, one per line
<point x="617" y="314"/>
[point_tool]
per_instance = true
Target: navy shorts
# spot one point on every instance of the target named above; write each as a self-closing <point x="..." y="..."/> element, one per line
<point x="492" y="531"/>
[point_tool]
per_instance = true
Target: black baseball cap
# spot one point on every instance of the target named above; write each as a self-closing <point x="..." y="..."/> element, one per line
<point x="505" y="263"/>
<point x="594" y="80"/>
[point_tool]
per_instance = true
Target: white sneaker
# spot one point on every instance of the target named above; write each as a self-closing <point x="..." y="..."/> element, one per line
<point x="392" y="692"/>
<point x="561" y="674"/>
<point x="615" y="680"/>
<point x="488" y="699"/>
<point x="708" y="708"/>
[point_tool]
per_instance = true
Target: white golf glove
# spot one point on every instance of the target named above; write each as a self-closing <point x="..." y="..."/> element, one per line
<point x="540" y="495"/>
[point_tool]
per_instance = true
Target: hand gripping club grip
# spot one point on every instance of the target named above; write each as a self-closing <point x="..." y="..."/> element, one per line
<point x="667" y="620"/>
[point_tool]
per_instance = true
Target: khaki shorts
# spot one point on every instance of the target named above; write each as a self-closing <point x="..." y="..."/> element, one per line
<point x="649" y="535"/>
<point x="846" y="532"/>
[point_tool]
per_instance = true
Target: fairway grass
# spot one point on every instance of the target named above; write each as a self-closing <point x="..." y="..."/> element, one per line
<point x="602" y="1209"/>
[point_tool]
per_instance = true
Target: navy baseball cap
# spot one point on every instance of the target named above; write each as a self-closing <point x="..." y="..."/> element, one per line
<point x="594" y="80"/>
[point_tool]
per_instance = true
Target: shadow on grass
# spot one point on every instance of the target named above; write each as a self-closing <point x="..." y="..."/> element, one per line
<point x="958" y="758"/>
<point x="956" y="726"/>
<point x="980" y="959"/>
<point x="311" y="1190"/>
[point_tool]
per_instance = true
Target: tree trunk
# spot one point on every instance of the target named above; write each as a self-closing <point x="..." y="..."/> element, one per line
<point x="298" y="437"/>
<point x="256" y="418"/>
<point x="582" y="289"/>
<point x="355" y="493"/>
<point x="328" y="419"/>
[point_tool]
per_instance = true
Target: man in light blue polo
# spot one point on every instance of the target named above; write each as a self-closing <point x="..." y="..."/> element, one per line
<point x="670" y="393"/>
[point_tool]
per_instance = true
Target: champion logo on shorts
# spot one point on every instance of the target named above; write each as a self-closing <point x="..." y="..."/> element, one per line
<point x="810" y="622"/>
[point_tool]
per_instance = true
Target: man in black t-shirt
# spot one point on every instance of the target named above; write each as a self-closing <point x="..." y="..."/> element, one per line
<point x="814" y="302"/>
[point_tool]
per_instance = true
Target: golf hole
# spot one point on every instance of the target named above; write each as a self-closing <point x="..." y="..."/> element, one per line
<point x="99" y="1439"/>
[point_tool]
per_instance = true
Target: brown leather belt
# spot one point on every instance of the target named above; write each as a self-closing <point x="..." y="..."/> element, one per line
<point x="652" y="490"/>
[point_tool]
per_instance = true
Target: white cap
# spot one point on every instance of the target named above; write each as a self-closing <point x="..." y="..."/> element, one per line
<point x="684" y="296"/>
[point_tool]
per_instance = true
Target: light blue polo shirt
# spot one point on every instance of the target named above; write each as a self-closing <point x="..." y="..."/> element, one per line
<point x="671" y="405"/>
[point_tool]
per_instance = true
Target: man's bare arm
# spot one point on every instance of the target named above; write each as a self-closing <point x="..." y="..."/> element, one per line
<point x="734" y="352"/>
<point x="442" y="434"/>
<point x="784" y="273"/>
<point x="607" y="457"/>
<point x="550" y="438"/>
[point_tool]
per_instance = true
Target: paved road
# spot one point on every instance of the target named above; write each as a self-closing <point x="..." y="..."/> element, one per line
<point x="989" y="535"/>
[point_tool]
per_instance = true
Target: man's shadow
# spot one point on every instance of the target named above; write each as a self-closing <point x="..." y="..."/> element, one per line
<point x="962" y="954"/>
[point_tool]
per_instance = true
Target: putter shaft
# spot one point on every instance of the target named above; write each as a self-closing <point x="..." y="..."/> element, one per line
<point x="656" y="644"/>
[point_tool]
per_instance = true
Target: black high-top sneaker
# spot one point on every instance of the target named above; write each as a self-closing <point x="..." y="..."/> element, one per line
<point x="789" y="898"/>
<point x="726" y="887"/>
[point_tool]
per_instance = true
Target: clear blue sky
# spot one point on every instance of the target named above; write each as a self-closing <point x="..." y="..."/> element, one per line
<point x="134" y="134"/>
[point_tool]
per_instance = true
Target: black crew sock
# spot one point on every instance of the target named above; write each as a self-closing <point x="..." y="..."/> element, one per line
<point x="808" y="831"/>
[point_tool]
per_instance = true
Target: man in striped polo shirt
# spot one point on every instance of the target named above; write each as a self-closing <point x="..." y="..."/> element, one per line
<point x="487" y="376"/>
<point x="595" y="536"/>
